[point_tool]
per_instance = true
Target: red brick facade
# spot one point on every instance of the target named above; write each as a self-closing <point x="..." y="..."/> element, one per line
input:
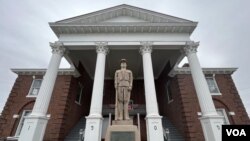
<point x="65" y="113"/>
<point x="182" y="111"/>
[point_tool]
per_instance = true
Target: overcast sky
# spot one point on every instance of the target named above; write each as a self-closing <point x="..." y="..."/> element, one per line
<point x="223" y="32"/>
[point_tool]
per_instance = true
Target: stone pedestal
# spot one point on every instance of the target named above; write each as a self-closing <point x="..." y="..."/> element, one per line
<point x="122" y="122"/>
<point x="33" y="128"/>
<point x="212" y="128"/>
<point x="123" y="130"/>
<point x="154" y="128"/>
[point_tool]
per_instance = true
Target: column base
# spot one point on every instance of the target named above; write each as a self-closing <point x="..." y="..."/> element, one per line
<point x="93" y="129"/>
<point x="33" y="128"/>
<point x="154" y="128"/>
<point x="212" y="127"/>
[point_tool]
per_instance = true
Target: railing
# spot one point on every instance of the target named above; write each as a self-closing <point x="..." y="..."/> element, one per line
<point x="81" y="134"/>
<point x="166" y="134"/>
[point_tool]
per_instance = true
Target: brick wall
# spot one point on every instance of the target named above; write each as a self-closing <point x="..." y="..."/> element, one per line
<point x="177" y="110"/>
<point x="191" y="127"/>
<point x="73" y="112"/>
<point x="230" y="100"/>
<point x="182" y="111"/>
<point x="16" y="103"/>
<point x="65" y="113"/>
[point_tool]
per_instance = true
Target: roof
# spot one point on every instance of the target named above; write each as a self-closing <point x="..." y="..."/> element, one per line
<point x="123" y="18"/>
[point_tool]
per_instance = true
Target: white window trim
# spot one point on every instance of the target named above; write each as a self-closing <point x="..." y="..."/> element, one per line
<point x="215" y="82"/>
<point x="80" y="98"/>
<point x="169" y="101"/>
<point x="225" y="115"/>
<point x="31" y="87"/>
<point x="18" y="129"/>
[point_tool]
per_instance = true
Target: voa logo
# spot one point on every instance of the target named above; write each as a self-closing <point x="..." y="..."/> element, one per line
<point x="236" y="132"/>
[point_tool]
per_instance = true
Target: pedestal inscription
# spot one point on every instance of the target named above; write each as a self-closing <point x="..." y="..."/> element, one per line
<point x="122" y="136"/>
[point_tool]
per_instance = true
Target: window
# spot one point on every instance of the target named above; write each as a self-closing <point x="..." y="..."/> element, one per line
<point x="222" y="112"/>
<point x="21" y="122"/>
<point x="79" y="93"/>
<point x="35" y="87"/>
<point x="212" y="85"/>
<point x="168" y="92"/>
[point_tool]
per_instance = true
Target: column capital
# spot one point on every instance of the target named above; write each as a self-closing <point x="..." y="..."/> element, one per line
<point x="146" y="47"/>
<point x="57" y="48"/>
<point x="102" y="47"/>
<point x="190" y="47"/>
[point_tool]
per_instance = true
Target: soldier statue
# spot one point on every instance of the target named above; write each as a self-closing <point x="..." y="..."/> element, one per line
<point x="123" y="85"/>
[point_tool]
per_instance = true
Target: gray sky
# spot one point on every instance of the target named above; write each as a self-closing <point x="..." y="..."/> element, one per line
<point x="223" y="32"/>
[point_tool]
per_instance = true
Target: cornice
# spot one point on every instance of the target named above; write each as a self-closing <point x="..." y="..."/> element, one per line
<point x="123" y="28"/>
<point x="33" y="71"/>
<point x="186" y="70"/>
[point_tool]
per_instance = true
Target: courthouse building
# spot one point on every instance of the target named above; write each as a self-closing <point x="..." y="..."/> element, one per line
<point x="173" y="103"/>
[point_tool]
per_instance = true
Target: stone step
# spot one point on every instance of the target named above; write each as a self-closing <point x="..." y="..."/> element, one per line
<point x="174" y="133"/>
<point x="74" y="133"/>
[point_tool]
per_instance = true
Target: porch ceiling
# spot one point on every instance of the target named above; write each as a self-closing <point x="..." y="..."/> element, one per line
<point x="160" y="57"/>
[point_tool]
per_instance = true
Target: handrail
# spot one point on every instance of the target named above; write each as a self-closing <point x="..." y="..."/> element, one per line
<point x="166" y="133"/>
<point x="81" y="134"/>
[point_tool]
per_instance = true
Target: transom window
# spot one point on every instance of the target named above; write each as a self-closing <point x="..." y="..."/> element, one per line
<point x="79" y="93"/>
<point x="212" y="85"/>
<point x="35" y="87"/>
<point x="21" y="122"/>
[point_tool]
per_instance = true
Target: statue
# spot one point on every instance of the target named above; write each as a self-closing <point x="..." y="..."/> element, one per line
<point x="123" y="85"/>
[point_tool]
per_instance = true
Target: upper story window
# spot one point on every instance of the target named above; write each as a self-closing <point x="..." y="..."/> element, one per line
<point x="212" y="85"/>
<point x="79" y="93"/>
<point x="35" y="87"/>
<point x="168" y="92"/>
<point x="21" y="122"/>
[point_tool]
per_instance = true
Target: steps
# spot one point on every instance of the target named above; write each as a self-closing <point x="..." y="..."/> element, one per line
<point x="173" y="132"/>
<point x="74" y="133"/>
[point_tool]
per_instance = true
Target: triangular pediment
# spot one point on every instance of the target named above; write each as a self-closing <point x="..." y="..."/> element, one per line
<point x="123" y="19"/>
<point x="123" y="13"/>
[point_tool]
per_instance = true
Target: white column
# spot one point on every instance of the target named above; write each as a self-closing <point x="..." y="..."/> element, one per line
<point x="210" y="120"/>
<point x="35" y="124"/>
<point x="94" y="120"/>
<point x="153" y="119"/>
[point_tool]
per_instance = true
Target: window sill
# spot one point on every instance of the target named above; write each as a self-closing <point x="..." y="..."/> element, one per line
<point x="31" y="96"/>
<point x="216" y="94"/>
<point x="78" y="103"/>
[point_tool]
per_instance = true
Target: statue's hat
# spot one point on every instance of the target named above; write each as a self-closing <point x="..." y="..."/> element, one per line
<point x="123" y="61"/>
